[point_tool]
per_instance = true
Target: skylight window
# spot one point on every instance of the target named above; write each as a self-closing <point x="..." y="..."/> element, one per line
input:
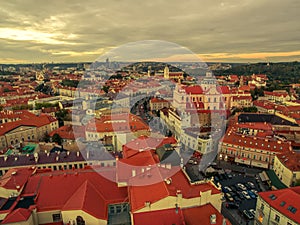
<point x="282" y="203"/>
<point x="292" y="209"/>
<point x="272" y="196"/>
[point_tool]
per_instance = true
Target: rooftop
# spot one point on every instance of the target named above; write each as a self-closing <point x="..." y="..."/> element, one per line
<point x="285" y="201"/>
<point x="291" y="160"/>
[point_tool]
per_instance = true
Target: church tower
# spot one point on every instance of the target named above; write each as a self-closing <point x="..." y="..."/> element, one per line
<point x="149" y="71"/>
<point x="166" y="72"/>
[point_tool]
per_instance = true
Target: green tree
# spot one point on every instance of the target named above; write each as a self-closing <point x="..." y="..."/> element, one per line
<point x="46" y="137"/>
<point x="57" y="139"/>
<point x="62" y="115"/>
<point x="105" y="89"/>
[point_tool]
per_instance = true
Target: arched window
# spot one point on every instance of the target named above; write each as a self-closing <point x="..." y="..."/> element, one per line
<point x="80" y="220"/>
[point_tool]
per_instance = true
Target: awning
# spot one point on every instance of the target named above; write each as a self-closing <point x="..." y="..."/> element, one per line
<point x="275" y="180"/>
<point x="263" y="176"/>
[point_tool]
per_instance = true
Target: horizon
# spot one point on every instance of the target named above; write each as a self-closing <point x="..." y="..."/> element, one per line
<point x="209" y="62"/>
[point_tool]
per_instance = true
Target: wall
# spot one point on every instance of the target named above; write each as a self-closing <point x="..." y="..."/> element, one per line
<point x="284" y="173"/>
<point x="46" y="217"/>
<point x="72" y="214"/>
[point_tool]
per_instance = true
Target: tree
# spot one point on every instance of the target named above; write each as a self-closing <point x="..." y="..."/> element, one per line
<point x="105" y="89"/>
<point x="61" y="116"/>
<point x="46" y="137"/>
<point x="57" y="139"/>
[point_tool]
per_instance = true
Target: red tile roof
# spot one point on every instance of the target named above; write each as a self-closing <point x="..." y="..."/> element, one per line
<point x="266" y="144"/>
<point x="237" y="98"/>
<point x="144" y="143"/>
<point x="276" y="93"/>
<point x="18" y="215"/>
<point x="157" y="189"/>
<point x="264" y="104"/>
<point x="137" y="163"/>
<point x="291" y="197"/>
<point x="86" y="198"/>
<point x="194" y="90"/>
<point x="69" y="132"/>
<point x="158" y="100"/>
<point x="76" y="191"/>
<point x="15" y="179"/>
<point x="35" y="121"/>
<point x="16" y="114"/>
<point x="192" y="216"/>
<point x="223" y="89"/>
<point x="291" y="160"/>
<point x="117" y="123"/>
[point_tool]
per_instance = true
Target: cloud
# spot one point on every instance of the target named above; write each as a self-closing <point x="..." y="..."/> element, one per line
<point x="62" y="30"/>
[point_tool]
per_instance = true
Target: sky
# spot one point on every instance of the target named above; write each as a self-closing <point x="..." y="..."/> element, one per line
<point x="34" y="31"/>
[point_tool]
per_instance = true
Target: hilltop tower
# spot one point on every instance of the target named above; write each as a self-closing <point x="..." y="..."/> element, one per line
<point x="166" y="72"/>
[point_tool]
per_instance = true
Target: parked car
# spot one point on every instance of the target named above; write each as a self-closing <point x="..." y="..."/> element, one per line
<point x="229" y="197"/>
<point x="247" y="186"/>
<point x="241" y="196"/>
<point x="251" y="194"/>
<point x="254" y="192"/>
<point x="251" y="184"/>
<point x="246" y="195"/>
<point x="226" y="189"/>
<point x="242" y="187"/>
<point x="252" y="211"/>
<point x="247" y="214"/>
<point x="229" y="175"/>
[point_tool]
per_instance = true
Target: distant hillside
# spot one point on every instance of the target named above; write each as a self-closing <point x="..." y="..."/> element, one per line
<point x="287" y="72"/>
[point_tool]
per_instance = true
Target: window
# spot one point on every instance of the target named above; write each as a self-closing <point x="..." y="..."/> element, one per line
<point x="288" y="223"/>
<point x="80" y="220"/>
<point x="111" y="210"/>
<point x="277" y="218"/>
<point x="56" y="217"/>
<point x="262" y="207"/>
<point x="118" y="208"/>
<point x="282" y="203"/>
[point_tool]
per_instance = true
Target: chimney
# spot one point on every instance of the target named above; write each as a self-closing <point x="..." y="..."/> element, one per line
<point x="77" y="154"/>
<point x="57" y="158"/>
<point x="213" y="219"/>
<point x="68" y="152"/>
<point x="87" y="154"/>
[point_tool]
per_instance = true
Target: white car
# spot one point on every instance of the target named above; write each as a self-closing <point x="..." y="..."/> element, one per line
<point x="252" y="211"/>
<point x="246" y="195"/>
<point x="242" y="187"/>
<point x="251" y="184"/>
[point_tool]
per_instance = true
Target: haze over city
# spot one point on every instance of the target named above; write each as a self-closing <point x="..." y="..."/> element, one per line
<point x="218" y="31"/>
